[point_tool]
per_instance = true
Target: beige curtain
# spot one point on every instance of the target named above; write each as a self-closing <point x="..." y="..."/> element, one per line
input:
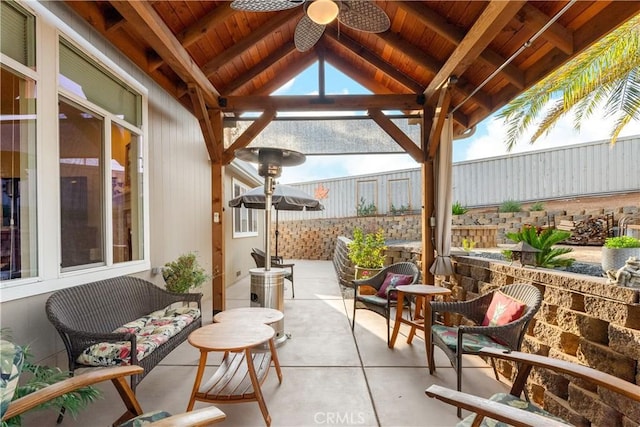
<point x="443" y="195"/>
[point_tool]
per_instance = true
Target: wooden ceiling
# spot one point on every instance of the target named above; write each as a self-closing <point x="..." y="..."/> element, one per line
<point x="233" y="59"/>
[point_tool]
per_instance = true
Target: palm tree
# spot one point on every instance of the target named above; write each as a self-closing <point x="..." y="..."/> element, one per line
<point x="607" y="74"/>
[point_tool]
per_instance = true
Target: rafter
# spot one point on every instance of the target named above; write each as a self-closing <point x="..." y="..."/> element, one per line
<point x="280" y="53"/>
<point x="374" y="60"/>
<point x="240" y="47"/>
<point x="199" y="29"/>
<point x="556" y="34"/>
<point x="283" y="76"/>
<point x="153" y="29"/>
<point x="491" y="21"/>
<point x="455" y="35"/>
<point x="423" y="59"/>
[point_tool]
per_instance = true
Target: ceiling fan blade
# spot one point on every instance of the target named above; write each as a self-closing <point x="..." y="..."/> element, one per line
<point x="364" y="16"/>
<point x="265" y="5"/>
<point x="307" y="34"/>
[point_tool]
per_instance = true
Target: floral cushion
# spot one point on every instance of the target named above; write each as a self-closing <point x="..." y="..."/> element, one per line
<point x="11" y="360"/>
<point x="391" y="281"/>
<point x="146" y="419"/>
<point x="471" y="343"/>
<point x="151" y="331"/>
<point x="512" y="401"/>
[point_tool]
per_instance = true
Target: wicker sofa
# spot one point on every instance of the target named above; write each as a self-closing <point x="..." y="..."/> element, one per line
<point x="101" y="322"/>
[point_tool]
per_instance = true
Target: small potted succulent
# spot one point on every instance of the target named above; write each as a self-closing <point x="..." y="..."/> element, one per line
<point x="617" y="250"/>
<point x="183" y="274"/>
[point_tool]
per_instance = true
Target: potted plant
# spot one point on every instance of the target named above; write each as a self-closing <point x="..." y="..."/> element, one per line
<point x="183" y="274"/>
<point x="366" y="252"/>
<point x="617" y="250"/>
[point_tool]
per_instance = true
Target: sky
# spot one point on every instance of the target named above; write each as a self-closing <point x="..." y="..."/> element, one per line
<point x="487" y="141"/>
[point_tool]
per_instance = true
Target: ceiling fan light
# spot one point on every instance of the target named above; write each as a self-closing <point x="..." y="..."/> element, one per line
<point x="323" y="11"/>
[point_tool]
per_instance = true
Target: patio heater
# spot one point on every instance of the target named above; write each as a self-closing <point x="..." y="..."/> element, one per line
<point x="267" y="284"/>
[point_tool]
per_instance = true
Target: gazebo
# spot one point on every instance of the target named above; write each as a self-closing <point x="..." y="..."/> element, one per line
<point x="460" y="60"/>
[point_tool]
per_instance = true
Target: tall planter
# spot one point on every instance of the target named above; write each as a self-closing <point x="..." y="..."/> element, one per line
<point x="614" y="258"/>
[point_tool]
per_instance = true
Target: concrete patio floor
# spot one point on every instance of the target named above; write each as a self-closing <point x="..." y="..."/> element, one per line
<point x="330" y="376"/>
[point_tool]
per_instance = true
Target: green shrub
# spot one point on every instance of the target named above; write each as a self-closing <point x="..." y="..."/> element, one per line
<point x="510" y="206"/>
<point x="365" y="209"/>
<point x="622" y="242"/>
<point x="183" y="274"/>
<point x="458" y="209"/>
<point x="367" y="250"/>
<point x="403" y="209"/>
<point x="536" y="207"/>
<point x="543" y="240"/>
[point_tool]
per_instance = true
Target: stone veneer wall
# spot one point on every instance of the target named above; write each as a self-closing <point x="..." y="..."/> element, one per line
<point x="316" y="239"/>
<point x="583" y="320"/>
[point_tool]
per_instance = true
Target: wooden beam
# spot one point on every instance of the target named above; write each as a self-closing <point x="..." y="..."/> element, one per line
<point x="240" y="47"/>
<point x="423" y="59"/>
<point x="248" y="135"/>
<point x="199" y="29"/>
<point x="283" y="76"/>
<point x="490" y="22"/>
<point x="374" y="60"/>
<point x="428" y="207"/>
<point x="280" y="53"/>
<point x="397" y="134"/>
<point x="455" y="35"/>
<point x="218" y="218"/>
<point x="153" y="29"/>
<point x="556" y="34"/>
<point x="315" y="103"/>
<point x="441" y="111"/>
<point x="201" y="113"/>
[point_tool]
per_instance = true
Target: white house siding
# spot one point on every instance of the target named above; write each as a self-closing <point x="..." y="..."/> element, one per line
<point x="179" y="198"/>
<point x="581" y="170"/>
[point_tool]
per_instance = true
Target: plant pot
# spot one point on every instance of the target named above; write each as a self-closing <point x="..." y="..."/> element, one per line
<point x="615" y="258"/>
<point x="364" y="272"/>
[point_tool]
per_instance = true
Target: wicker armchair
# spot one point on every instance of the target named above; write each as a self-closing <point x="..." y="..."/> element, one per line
<point x="259" y="258"/>
<point x="377" y="304"/>
<point x="470" y="339"/>
<point x="12" y="361"/>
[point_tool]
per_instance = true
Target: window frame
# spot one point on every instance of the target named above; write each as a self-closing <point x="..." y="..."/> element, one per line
<point x="49" y="30"/>
<point x="251" y="214"/>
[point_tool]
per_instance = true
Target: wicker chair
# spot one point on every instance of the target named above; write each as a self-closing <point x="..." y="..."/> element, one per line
<point x="470" y="339"/>
<point x="259" y="258"/>
<point x="377" y="304"/>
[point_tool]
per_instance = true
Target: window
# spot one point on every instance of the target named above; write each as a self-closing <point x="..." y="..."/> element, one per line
<point x="367" y="197"/>
<point x="19" y="239"/>
<point x="93" y="127"/>
<point x="399" y="200"/>
<point x="245" y="221"/>
<point x="18" y="255"/>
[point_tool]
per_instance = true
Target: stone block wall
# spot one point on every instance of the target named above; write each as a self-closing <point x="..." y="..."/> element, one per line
<point x="583" y="320"/>
<point x="483" y="236"/>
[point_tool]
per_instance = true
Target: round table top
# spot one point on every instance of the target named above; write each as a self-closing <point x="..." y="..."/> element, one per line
<point x="257" y="314"/>
<point x="418" y="289"/>
<point x="231" y="336"/>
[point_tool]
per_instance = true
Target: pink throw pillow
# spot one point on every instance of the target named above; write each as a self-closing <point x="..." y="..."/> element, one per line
<point x="393" y="280"/>
<point x="502" y="310"/>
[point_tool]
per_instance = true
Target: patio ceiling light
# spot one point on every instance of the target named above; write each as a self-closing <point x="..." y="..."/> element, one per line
<point x="323" y="11"/>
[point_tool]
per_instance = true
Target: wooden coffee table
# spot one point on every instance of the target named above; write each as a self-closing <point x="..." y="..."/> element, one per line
<point x="424" y="294"/>
<point x="230" y="383"/>
<point x="258" y="314"/>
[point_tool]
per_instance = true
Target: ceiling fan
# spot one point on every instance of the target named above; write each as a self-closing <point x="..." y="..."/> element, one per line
<point x="362" y="15"/>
